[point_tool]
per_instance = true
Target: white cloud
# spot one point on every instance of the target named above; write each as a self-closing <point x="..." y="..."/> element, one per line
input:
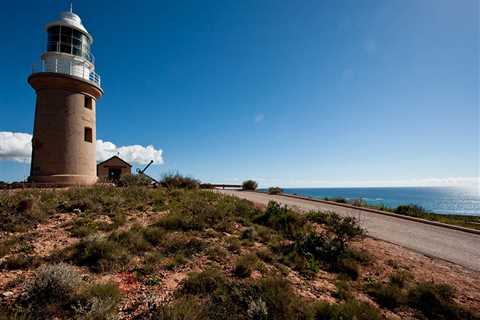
<point x="17" y="146"/>
<point x="133" y="154"/>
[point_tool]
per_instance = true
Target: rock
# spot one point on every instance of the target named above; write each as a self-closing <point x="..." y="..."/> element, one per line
<point x="7" y="294"/>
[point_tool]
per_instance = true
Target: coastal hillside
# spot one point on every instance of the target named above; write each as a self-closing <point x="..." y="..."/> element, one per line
<point x="179" y="252"/>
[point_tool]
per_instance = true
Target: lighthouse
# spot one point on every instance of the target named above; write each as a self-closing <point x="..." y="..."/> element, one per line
<point x="67" y="89"/>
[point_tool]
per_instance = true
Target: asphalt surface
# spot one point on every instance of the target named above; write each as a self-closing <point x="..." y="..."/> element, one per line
<point x="434" y="241"/>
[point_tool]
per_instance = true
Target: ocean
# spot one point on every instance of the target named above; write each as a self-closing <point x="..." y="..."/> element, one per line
<point x="443" y="200"/>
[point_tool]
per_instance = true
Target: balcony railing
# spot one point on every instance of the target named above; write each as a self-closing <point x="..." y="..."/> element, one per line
<point x="71" y="68"/>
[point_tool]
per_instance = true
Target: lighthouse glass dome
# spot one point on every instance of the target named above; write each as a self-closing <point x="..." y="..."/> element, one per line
<point x="68" y="40"/>
<point x="69" y="47"/>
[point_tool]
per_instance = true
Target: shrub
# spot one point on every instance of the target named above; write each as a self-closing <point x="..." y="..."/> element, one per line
<point x="7" y="245"/>
<point x="23" y="209"/>
<point x="97" y="301"/>
<point x="177" y="181"/>
<point x="177" y="260"/>
<point x="181" y="309"/>
<point x="266" y="255"/>
<point x="182" y="243"/>
<point x="289" y="223"/>
<point x="133" y="239"/>
<point x="18" y="261"/>
<point x="337" y="199"/>
<point x="248" y="233"/>
<point x="86" y="225"/>
<point x="56" y="284"/>
<point x="233" y="244"/>
<point x="205" y="282"/>
<point x="348" y="267"/>
<point x="100" y="254"/>
<point x="435" y="301"/>
<point x="275" y="190"/>
<point x="358" y="203"/>
<point x="400" y="278"/>
<point x="344" y="228"/>
<point x="130" y="180"/>
<point x="343" y="290"/>
<point x="349" y="310"/>
<point x="411" y="210"/>
<point x="245" y="265"/>
<point x="249" y="185"/>
<point x="387" y="295"/>
<point x="154" y="234"/>
<point x="279" y="299"/>
<point x="214" y="296"/>
<point x="198" y="210"/>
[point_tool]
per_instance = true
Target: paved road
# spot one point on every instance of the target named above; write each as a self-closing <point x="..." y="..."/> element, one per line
<point x="452" y="245"/>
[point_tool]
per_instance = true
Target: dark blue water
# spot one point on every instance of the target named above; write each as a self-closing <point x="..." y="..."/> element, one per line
<point x="444" y="200"/>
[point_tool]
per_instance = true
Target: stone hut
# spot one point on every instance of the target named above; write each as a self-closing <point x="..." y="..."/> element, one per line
<point x="113" y="168"/>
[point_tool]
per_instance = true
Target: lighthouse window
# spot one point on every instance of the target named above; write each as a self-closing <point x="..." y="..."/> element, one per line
<point x="88" y="102"/>
<point x="68" y="40"/>
<point x="88" y="134"/>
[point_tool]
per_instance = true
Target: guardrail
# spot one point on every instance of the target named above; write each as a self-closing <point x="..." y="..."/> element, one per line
<point x="222" y="186"/>
<point x="71" y="68"/>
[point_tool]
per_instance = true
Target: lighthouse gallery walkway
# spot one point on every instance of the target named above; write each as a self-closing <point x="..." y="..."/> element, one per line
<point x="434" y="241"/>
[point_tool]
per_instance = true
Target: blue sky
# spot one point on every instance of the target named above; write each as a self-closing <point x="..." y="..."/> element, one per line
<point x="291" y="93"/>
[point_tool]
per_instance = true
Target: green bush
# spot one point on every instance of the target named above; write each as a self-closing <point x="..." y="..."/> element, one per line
<point x="400" y="278"/>
<point x="289" y="223"/>
<point x="130" y="180"/>
<point x="349" y="310"/>
<point x="177" y="181"/>
<point x="411" y="210"/>
<point x="7" y="245"/>
<point x="344" y="228"/>
<point x="275" y="190"/>
<point x="133" y="239"/>
<point x="154" y="234"/>
<point x="19" y="261"/>
<point x="53" y="284"/>
<point x="181" y="309"/>
<point x="58" y="292"/>
<point x="97" y="301"/>
<point x="100" y="254"/>
<point x="436" y="301"/>
<point x="359" y="203"/>
<point x="336" y="199"/>
<point x="387" y="295"/>
<point x="24" y="209"/>
<point x="206" y="282"/>
<point x="182" y="243"/>
<point x="249" y="185"/>
<point x="269" y="298"/>
<point x="245" y="265"/>
<point x="344" y="291"/>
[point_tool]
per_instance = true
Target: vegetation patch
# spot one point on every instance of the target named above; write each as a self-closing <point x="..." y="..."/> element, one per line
<point x="60" y="290"/>
<point x="432" y="301"/>
<point x="249" y="185"/>
<point x="275" y="190"/>
<point x="177" y="181"/>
